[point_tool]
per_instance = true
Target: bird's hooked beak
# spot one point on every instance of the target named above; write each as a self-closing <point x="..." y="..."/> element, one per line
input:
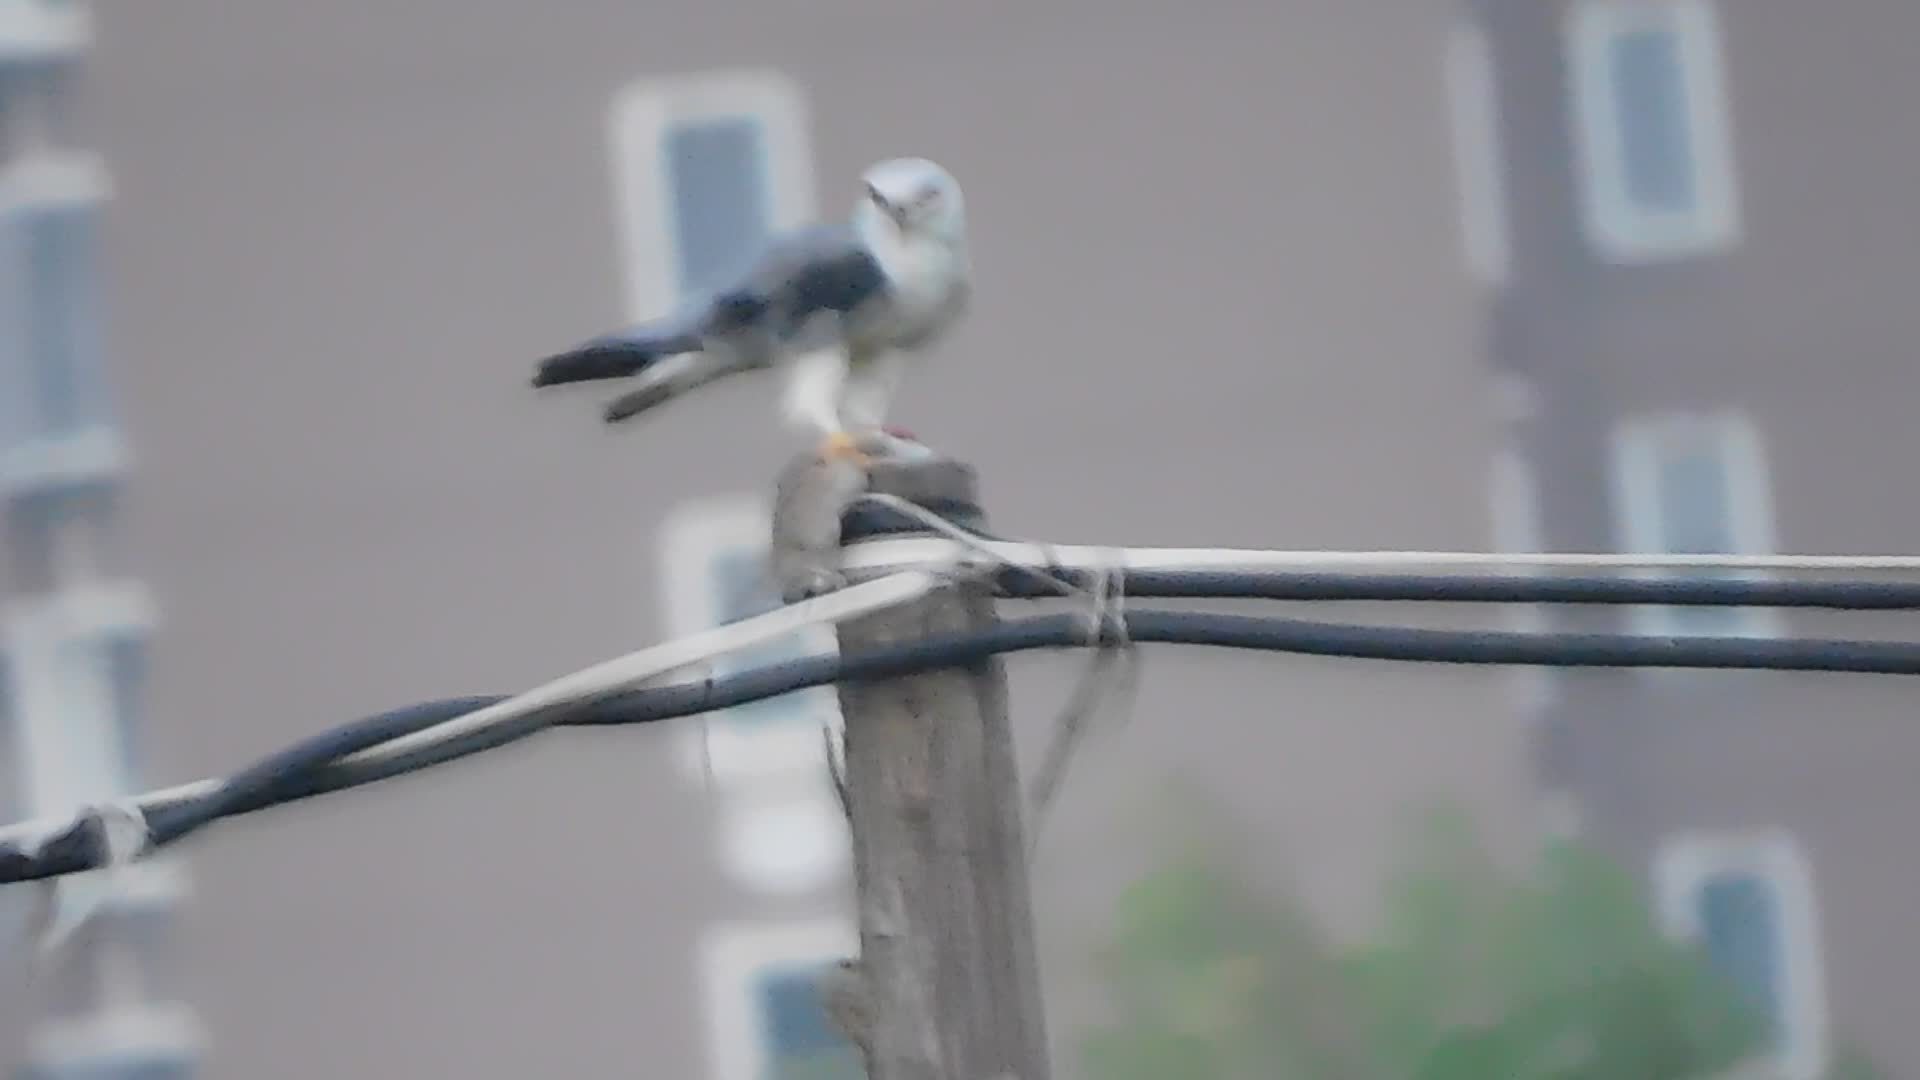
<point x="897" y="213"/>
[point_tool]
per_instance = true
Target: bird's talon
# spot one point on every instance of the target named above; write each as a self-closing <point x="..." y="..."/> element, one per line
<point x="842" y="446"/>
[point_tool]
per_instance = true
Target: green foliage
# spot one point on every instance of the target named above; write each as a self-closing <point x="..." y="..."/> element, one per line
<point x="1557" y="974"/>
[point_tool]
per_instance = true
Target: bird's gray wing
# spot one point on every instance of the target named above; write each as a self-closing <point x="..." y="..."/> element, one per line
<point x="801" y="288"/>
<point x="795" y="296"/>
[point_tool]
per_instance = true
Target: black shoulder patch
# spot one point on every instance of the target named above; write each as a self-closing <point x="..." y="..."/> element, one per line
<point x="737" y="308"/>
<point x="838" y="285"/>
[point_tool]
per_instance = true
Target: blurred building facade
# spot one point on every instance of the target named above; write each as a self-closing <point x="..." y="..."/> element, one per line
<point x="1252" y="292"/>
<point x="339" y="239"/>
<point x="75" y="620"/>
<point x="1702" y="301"/>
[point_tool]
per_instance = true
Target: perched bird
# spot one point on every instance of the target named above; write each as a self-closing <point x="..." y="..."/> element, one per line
<point x="840" y="305"/>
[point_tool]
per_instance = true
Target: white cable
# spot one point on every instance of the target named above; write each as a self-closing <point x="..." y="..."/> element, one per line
<point x="591" y="684"/>
<point x="882" y="554"/>
<point x="986" y="550"/>
<point x="626" y="672"/>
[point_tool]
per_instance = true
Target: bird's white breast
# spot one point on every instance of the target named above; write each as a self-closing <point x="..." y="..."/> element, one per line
<point x="926" y="286"/>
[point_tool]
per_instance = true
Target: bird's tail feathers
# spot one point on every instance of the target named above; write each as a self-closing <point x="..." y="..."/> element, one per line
<point x="616" y="356"/>
<point x="673" y="377"/>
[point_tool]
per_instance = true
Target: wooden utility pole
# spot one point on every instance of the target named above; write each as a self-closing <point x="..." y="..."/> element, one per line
<point x="947" y="984"/>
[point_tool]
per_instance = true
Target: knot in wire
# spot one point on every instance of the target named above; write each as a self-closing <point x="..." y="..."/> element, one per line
<point x="1107" y="614"/>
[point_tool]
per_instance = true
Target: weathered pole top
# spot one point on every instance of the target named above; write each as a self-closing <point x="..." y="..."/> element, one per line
<point x="817" y="509"/>
<point x="932" y="479"/>
<point x="942" y="485"/>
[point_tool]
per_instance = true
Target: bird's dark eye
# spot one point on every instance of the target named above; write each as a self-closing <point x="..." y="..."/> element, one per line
<point x="878" y="199"/>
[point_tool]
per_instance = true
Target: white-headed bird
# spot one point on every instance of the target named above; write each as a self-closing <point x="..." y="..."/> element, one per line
<point x="840" y="305"/>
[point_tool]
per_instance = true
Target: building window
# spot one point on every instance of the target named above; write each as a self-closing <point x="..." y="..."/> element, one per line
<point x="145" y="928"/>
<point x="60" y="249"/>
<point x="54" y="403"/>
<point x="800" y="1042"/>
<point x="1515" y="504"/>
<point x="118" y="1067"/>
<point x="16" y="905"/>
<point x="779" y="829"/>
<point x="765" y="1014"/>
<point x="121" y="652"/>
<point x="1693" y="484"/>
<point x="715" y="571"/>
<point x="788" y="837"/>
<point x="48" y="267"/>
<point x="53" y="534"/>
<point x="78" y="664"/>
<point x="741" y="583"/>
<point x="1479" y="169"/>
<point x="78" y="659"/>
<point x="129" y="1042"/>
<point x="37" y="30"/>
<point x="9" y="740"/>
<point x="55" y="417"/>
<point x="717" y="179"/>
<point x="37" y="108"/>
<point x="1651" y="128"/>
<point x="1746" y="901"/>
<point x="705" y="167"/>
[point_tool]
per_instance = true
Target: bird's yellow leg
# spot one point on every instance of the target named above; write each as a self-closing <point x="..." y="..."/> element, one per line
<point x="840" y="444"/>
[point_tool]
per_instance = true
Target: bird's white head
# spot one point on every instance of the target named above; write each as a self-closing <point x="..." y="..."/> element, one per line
<point x="914" y="199"/>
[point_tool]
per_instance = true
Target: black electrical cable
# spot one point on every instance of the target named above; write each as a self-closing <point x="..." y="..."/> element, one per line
<point x="872" y="520"/>
<point x="1460" y="588"/>
<point x="313" y="767"/>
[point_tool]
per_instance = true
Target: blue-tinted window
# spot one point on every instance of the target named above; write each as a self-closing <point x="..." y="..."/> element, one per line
<point x="1656" y="136"/>
<point x="18" y="412"/>
<point x="717" y="174"/>
<point x="126" y="655"/>
<point x="1696" y="514"/>
<point x="743" y="587"/>
<point x="1740" y="929"/>
<point x="1700" y="489"/>
<point x="9" y="741"/>
<point x="92" y="752"/>
<point x="115" y="1068"/>
<point x="40" y="518"/>
<point x="16" y="905"/>
<point x="61" y="249"/>
<point x="1696" y="505"/>
<point x="801" y="1043"/>
<point x="50" y="358"/>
